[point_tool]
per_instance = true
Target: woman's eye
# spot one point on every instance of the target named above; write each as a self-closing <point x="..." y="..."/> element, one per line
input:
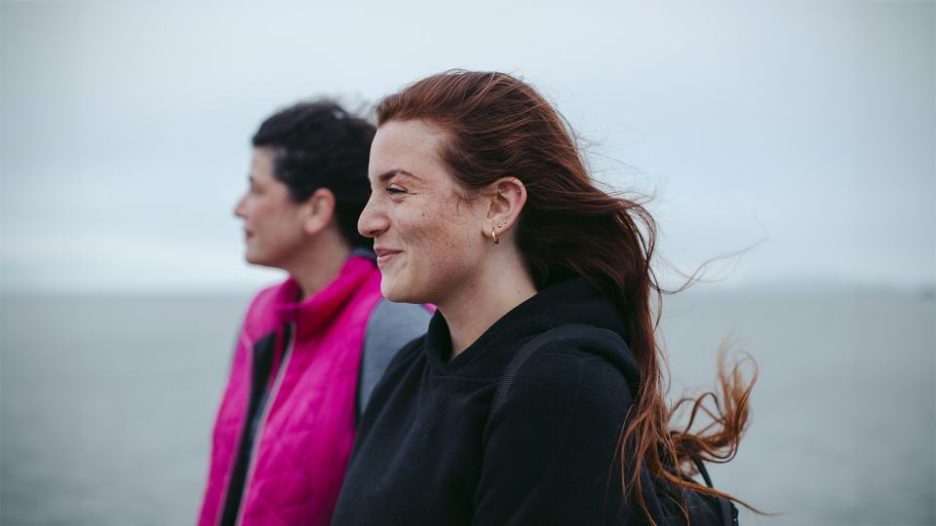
<point x="394" y="190"/>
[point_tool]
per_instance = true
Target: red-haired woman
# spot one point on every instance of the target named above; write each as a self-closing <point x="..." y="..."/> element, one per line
<point x="481" y="205"/>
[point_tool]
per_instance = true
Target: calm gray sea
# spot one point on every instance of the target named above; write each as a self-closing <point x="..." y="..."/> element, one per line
<point x="106" y="403"/>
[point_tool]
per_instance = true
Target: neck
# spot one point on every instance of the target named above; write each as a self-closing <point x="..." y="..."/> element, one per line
<point x="317" y="266"/>
<point x="504" y="284"/>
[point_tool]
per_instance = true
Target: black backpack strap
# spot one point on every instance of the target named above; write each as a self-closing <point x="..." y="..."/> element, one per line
<point x="702" y="471"/>
<point x="729" y="512"/>
<point x="562" y="332"/>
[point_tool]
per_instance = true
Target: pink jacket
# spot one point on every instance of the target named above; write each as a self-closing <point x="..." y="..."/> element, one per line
<point x="306" y="429"/>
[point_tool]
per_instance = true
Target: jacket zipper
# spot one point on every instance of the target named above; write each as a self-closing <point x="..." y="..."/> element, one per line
<point x="258" y="434"/>
<point x="222" y="500"/>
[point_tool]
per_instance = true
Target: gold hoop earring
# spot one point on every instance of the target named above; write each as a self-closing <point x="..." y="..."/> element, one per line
<point x="494" y="237"/>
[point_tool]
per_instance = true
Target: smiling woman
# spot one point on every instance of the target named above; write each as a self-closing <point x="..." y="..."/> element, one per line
<point x="481" y="205"/>
<point x="424" y="228"/>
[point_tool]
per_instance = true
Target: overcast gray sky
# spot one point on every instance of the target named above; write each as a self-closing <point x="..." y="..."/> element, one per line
<point x="808" y="125"/>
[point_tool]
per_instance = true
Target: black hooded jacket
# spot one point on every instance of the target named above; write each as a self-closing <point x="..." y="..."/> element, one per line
<point x="430" y="452"/>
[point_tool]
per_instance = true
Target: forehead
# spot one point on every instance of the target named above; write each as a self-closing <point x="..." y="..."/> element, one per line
<point x="412" y="146"/>
<point x="262" y="162"/>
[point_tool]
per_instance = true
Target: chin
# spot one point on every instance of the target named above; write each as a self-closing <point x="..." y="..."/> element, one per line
<point x="259" y="260"/>
<point x="396" y="294"/>
<point x="392" y="295"/>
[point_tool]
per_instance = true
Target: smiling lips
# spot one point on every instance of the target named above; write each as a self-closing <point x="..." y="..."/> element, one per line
<point x="384" y="255"/>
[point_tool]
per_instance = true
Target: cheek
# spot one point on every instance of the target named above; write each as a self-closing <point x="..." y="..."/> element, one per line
<point x="447" y="249"/>
<point x="267" y="212"/>
<point x="255" y="208"/>
<point x="440" y="232"/>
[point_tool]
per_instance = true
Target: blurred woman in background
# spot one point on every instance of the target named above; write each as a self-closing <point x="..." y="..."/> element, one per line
<point x="481" y="204"/>
<point x="310" y="348"/>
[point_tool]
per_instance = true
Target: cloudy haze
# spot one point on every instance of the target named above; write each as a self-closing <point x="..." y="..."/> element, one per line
<point x="804" y="128"/>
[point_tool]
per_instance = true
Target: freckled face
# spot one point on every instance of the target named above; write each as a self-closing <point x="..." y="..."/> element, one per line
<point x="427" y="238"/>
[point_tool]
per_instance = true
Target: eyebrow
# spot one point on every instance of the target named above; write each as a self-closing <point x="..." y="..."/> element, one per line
<point x="382" y="178"/>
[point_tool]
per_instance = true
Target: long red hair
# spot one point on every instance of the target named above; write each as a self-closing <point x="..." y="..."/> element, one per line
<point x="499" y="126"/>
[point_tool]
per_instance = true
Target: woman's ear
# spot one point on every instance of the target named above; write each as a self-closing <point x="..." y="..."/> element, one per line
<point x="318" y="211"/>
<point x="507" y="198"/>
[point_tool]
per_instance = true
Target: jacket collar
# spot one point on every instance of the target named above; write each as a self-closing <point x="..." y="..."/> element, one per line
<point x="319" y="310"/>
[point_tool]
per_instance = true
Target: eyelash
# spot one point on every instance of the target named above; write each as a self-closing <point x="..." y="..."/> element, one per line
<point x="394" y="190"/>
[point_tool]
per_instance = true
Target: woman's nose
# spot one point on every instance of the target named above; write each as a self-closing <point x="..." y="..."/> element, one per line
<point x="240" y="207"/>
<point x="372" y="221"/>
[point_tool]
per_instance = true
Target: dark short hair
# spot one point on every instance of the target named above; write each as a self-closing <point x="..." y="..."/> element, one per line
<point x="319" y="144"/>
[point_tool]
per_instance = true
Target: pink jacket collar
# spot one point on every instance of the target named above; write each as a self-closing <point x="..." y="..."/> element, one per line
<point x="319" y="310"/>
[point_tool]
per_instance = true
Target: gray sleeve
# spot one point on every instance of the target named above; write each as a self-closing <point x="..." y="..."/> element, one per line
<point x="391" y="326"/>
